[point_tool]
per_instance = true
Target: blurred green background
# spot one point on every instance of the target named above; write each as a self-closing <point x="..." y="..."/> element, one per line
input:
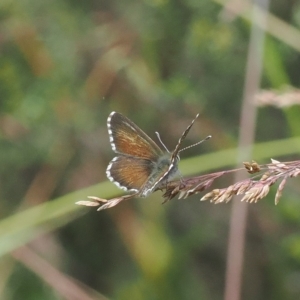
<point x="64" y="66"/>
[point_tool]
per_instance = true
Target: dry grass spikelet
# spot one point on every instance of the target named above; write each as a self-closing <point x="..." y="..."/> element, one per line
<point x="253" y="189"/>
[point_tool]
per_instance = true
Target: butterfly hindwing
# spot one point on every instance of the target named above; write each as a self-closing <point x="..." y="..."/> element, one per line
<point x="129" y="173"/>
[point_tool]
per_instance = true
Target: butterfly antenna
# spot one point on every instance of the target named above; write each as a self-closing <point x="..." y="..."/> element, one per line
<point x="176" y="150"/>
<point x="158" y="136"/>
<point x="188" y="147"/>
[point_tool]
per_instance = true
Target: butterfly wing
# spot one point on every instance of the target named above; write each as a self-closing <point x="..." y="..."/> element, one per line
<point x="129" y="173"/>
<point x="127" y="138"/>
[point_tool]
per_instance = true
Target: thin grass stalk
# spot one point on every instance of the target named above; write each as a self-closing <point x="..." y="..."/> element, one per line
<point x="236" y="241"/>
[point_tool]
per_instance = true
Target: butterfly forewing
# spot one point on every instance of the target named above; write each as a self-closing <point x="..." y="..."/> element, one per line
<point x="129" y="173"/>
<point x="127" y="138"/>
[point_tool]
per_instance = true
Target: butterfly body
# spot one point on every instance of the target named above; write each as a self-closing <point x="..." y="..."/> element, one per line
<point x="161" y="173"/>
<point x="141" y="166"/>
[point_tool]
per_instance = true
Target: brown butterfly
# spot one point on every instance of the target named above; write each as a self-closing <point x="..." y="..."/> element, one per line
<point x="141" y="166"/>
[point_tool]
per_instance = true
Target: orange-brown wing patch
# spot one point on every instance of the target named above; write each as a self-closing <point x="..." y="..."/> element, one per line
<point x="127" y="138"/>
<point x="129" y="173"/>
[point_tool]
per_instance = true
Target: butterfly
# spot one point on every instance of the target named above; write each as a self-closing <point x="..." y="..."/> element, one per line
<point x="141" y="166"/>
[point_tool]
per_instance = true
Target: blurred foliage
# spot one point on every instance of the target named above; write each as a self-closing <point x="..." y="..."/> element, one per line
<point x="64" y="66"/>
